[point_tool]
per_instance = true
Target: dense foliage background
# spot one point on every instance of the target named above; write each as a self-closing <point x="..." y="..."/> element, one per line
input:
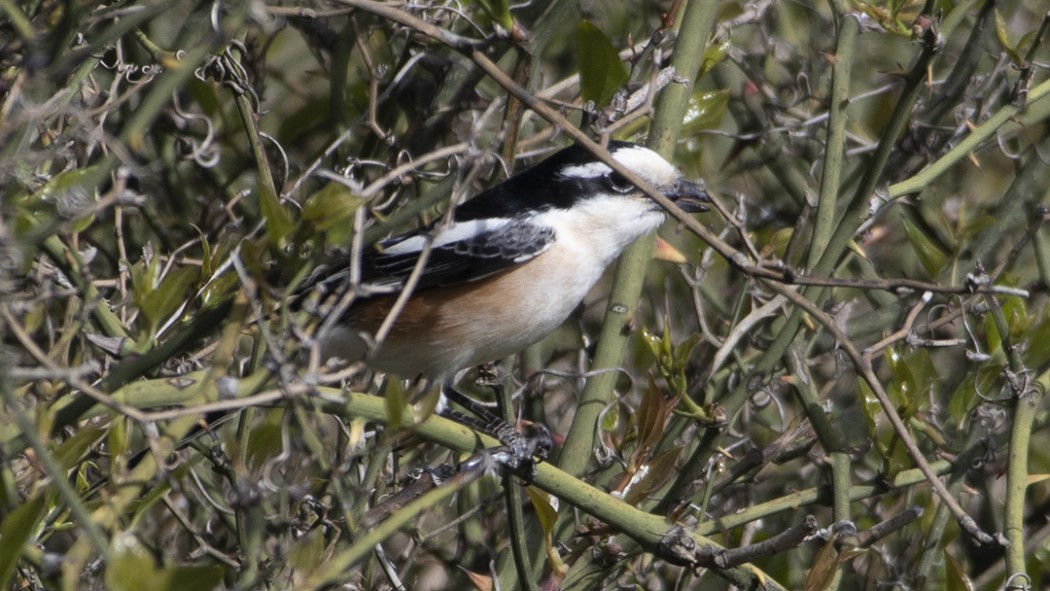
<point x="842" y="384"/>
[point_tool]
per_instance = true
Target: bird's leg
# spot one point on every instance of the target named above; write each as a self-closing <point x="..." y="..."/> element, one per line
<point x="519" y="452"/>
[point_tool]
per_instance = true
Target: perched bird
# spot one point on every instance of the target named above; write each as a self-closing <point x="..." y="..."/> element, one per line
<point x="509" y="268"/>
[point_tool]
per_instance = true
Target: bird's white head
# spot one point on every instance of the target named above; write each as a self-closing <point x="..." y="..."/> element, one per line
<point x="581" y="196"/>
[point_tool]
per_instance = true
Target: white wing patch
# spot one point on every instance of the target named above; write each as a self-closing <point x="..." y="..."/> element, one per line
<point x="464" y="251"/>
<point x="455" y="232"/>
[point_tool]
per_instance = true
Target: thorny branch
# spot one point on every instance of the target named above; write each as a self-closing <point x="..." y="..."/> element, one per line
<point x="774" y="279"/>
<point x="794" y="109"/>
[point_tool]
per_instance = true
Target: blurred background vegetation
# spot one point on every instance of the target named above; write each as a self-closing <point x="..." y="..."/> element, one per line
<point x="867" y="308"/>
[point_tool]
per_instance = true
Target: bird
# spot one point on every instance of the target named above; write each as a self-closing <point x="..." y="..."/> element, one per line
<point x="507" y="269"/>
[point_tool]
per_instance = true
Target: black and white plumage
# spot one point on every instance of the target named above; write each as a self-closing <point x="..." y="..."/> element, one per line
<point x="465" y="251"/>
<point x="512" y="265"/>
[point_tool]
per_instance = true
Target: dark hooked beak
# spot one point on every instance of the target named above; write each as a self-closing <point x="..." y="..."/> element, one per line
<point x="691" y="197"/>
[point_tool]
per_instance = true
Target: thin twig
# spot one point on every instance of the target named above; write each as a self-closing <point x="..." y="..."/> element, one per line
<point x="862" y="363"/>
<point x="905" y="329"/>
<point x="74" y="380"/>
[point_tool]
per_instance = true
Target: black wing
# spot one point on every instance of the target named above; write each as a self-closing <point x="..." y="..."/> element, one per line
<point x="471" y="258"/>
<point x="386" y="266"/>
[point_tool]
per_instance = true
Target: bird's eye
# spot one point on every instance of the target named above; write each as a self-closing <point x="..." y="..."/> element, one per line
<point x="618" y="183"/>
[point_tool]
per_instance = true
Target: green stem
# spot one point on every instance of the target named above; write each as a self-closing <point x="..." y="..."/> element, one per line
<point x="72" y="265"/>
<point x="516" y="522"/>
<point x="833" y="151"/>
<point x="59" y="478"/>
<point x="1026" y="397"/>
<point x="647" y="529"/>
<point x="984" y="132"/>
<point x="855" y="214"/>
<point x="335" y="568"/>
<point x="816" y="496"/>
<point x="829" y="437"/>
<point x="18" y="19"/>
<point x="695" y="24"/>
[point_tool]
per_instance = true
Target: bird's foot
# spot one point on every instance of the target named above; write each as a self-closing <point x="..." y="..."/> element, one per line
<point x="520" y="453"/>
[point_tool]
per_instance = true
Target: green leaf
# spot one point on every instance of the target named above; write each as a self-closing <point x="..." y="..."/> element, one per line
<point x="968" y="395"/>
<point x="601" y="71"/>
<point x="72" y="450"/>
<point x="993" y="339"/>
<point x="1002" y="32"/>
<point x="546" y="512"/>
<point x="957" y="578"/>
<point x="59" y="187"/>
<point x="973" y="227"/>
<point x="191" y="577"/>
<point x="207" y="263"/>
<point x="143" y="277"/>
<point x="216" y="288"/>
<point x="498" y="11"/>
<point x="610" y="418"/>
<point x="130" y="567"/>
<point x="331" y="210"/>
<point x="1038" y="353"/>
<point x="117" y="440"/>
<point x="220" y="289"/>
<point x="160" y="303"/>
<point x="307" y="553"/>
<point x="1018" y="321"/>
<point x="913" y="376"/>
<point x="266" y="442"/>
<point x="777" y="243"/>
<point x="871" y="407"/>
<point x="157" y="493"/>
<point x="82" y="223"/>
<point x="713" y="55"/>
<point x="15" y="530"/>
<point x="653" y="341"/>
<point x="278" y="222"/>
<point x="83" y="476"/>
<point x="671" y="360"/>
<point x="1025" y="44"/>
<point x="885" y="16"/>
<point x="930" y="255"/>
<point x="548" y="516"/>
<point x="706" y="109"/>
<point x="69" y="195"/>
<point x="205" y="95"/>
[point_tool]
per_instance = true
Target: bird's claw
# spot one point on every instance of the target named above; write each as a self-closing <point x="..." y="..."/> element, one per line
<point x="520" y="453"/>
